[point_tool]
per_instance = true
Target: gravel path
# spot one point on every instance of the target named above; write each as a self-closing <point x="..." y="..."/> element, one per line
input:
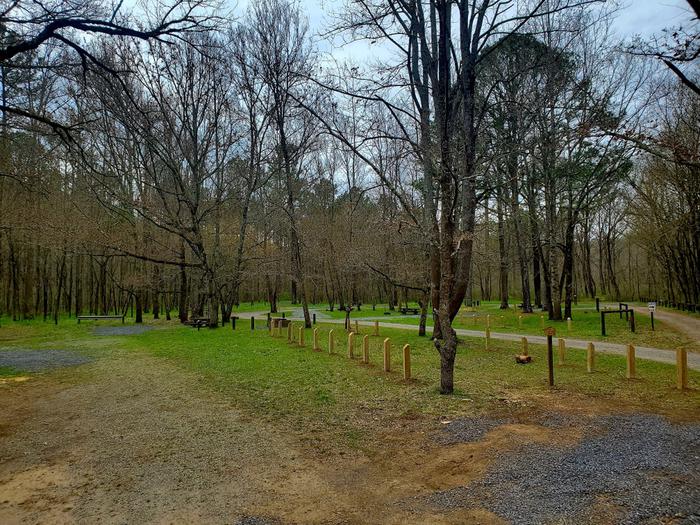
<point x="29" y="360"/>
<point x="121" y="330"/>
<point x="642" y="466"/>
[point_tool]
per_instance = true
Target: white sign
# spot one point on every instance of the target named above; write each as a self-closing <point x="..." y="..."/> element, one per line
<point x="652" y="307"/>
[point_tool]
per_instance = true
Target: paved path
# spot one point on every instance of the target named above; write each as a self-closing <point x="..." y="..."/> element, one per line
<point x="660" y="355"/>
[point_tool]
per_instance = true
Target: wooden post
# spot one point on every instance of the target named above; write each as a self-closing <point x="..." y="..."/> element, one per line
<point x="301" y="335"/>
<point x="406" y="361"/>
<point x="520" y="321"/>
<point x="523" y="340"/>
<point x="357" y="326"/>
<point x="316" y="347"/>
<point x="351" y="344"/>
<point x="590" y="358"/>
<point x="331" y="342"/>
<point x="365" y="349"/>
<point x="541" y="321"/>
<point x="631" y="368"/>
<point x="387" y="355"/>
<point x="488" y="320"/>
<point x="681" y="368"/>
<point x="376" y="327"/>
<point x="488" y="338"/>
<point x="562" y="349"/>
<point x="568" y="324"/>
<point x="476" y="319"/>
<point x="289" y="332"/>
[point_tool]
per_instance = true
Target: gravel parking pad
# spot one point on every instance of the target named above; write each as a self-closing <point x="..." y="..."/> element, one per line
<point x="40" y="360"/>
<point x="121" y="330"/>
<point x="643" y="465"/>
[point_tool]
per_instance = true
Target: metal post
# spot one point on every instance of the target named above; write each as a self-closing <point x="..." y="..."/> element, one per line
<point x="652" y="321"/>
<point x="632" y="320"/>
<point x="252" y="322"/>
<point x="602" y="323"/>
<point x="597" y="304"/>
<point x="550" y="359"/>
<point x="233" y="322"/>
<point x="283" y="314"/>
<point x="314" y="318"/>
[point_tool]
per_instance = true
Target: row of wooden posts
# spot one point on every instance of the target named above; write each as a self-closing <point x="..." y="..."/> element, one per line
<point x="631" y="373"/>
<point x="276" y="329"/>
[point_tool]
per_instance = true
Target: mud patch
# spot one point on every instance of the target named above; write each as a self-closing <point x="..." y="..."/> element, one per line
<point x="121" y="330"/>
<point x="40" y="360"/>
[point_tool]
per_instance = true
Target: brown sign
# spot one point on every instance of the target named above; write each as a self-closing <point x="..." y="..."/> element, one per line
<point x="550" y="331"/>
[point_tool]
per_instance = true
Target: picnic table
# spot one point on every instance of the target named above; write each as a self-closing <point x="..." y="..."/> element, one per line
<point x="414" y="311"/>
<point x="198" y="322"/>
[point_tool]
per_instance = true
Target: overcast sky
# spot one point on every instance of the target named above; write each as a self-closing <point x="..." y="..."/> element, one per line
<point x="637" y="17"/>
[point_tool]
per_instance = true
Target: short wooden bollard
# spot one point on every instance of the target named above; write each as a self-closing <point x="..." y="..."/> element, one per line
<point x="562" y="350"/>
<point x="406" y="361"/>
<point x="387" y="355"/>
<point x="488" y="321"/>
<point x="331" y="342"/>
<point x="590" y="358"/>
<point x="289" y="332"/>
<point x="301" y="335"/>
<point x="631" y="365"/>
<point x="488" y="338"/>
<point x="351" y="344"/>
<point x="357" y="327"/>
<point x="681" y="369"/>
<point x="568" y="324"/>
<point x="541" y="321"/>
<point x="376" y="327"/>
<point x="520" y="321"/>
<point x="523" y="340"/>
<point x="365" y="349"/>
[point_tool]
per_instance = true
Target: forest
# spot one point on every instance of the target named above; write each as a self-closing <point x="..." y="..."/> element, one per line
<point x="175" y="161"/>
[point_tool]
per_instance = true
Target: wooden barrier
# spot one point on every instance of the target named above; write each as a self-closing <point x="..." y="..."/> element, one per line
<point x="681" y="368"/>
<point x="631" y="365"/>
<point x="376" y="327"/>
<point x="301" y="335"/>
<point x="331" y="342"/>
<point x="523" y="340"/>
<point x="351" y="344"/>
<point x="316" y="347"/>
<point x="387" y="355"/>
<point x="562" y="350"/>
<point x="365" y="349"/>
<point x="590" y="358"/>
<point x="406" y="361"/>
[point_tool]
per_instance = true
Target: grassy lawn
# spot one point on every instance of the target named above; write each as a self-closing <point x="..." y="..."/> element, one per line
<point x="316" y="391"/>
<point x="585" y="322"/>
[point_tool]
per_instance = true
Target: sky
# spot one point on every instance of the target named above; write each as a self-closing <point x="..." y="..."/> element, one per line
<point x="643" y="18"/>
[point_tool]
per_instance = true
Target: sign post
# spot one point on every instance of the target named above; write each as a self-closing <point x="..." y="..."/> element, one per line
<point x="550" y="332"/>
<point x="652" y="309"/>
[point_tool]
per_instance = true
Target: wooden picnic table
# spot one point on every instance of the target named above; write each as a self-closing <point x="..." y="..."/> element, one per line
<point x="99" y="317"/>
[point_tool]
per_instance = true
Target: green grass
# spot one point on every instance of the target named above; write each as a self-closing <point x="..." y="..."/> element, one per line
<point x="316" y="393"/>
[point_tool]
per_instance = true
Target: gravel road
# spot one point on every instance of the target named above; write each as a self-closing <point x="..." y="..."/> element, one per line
<point x="121" y="330"/>
<point x="28" y="360"/>
<point x="642" y="468"/>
